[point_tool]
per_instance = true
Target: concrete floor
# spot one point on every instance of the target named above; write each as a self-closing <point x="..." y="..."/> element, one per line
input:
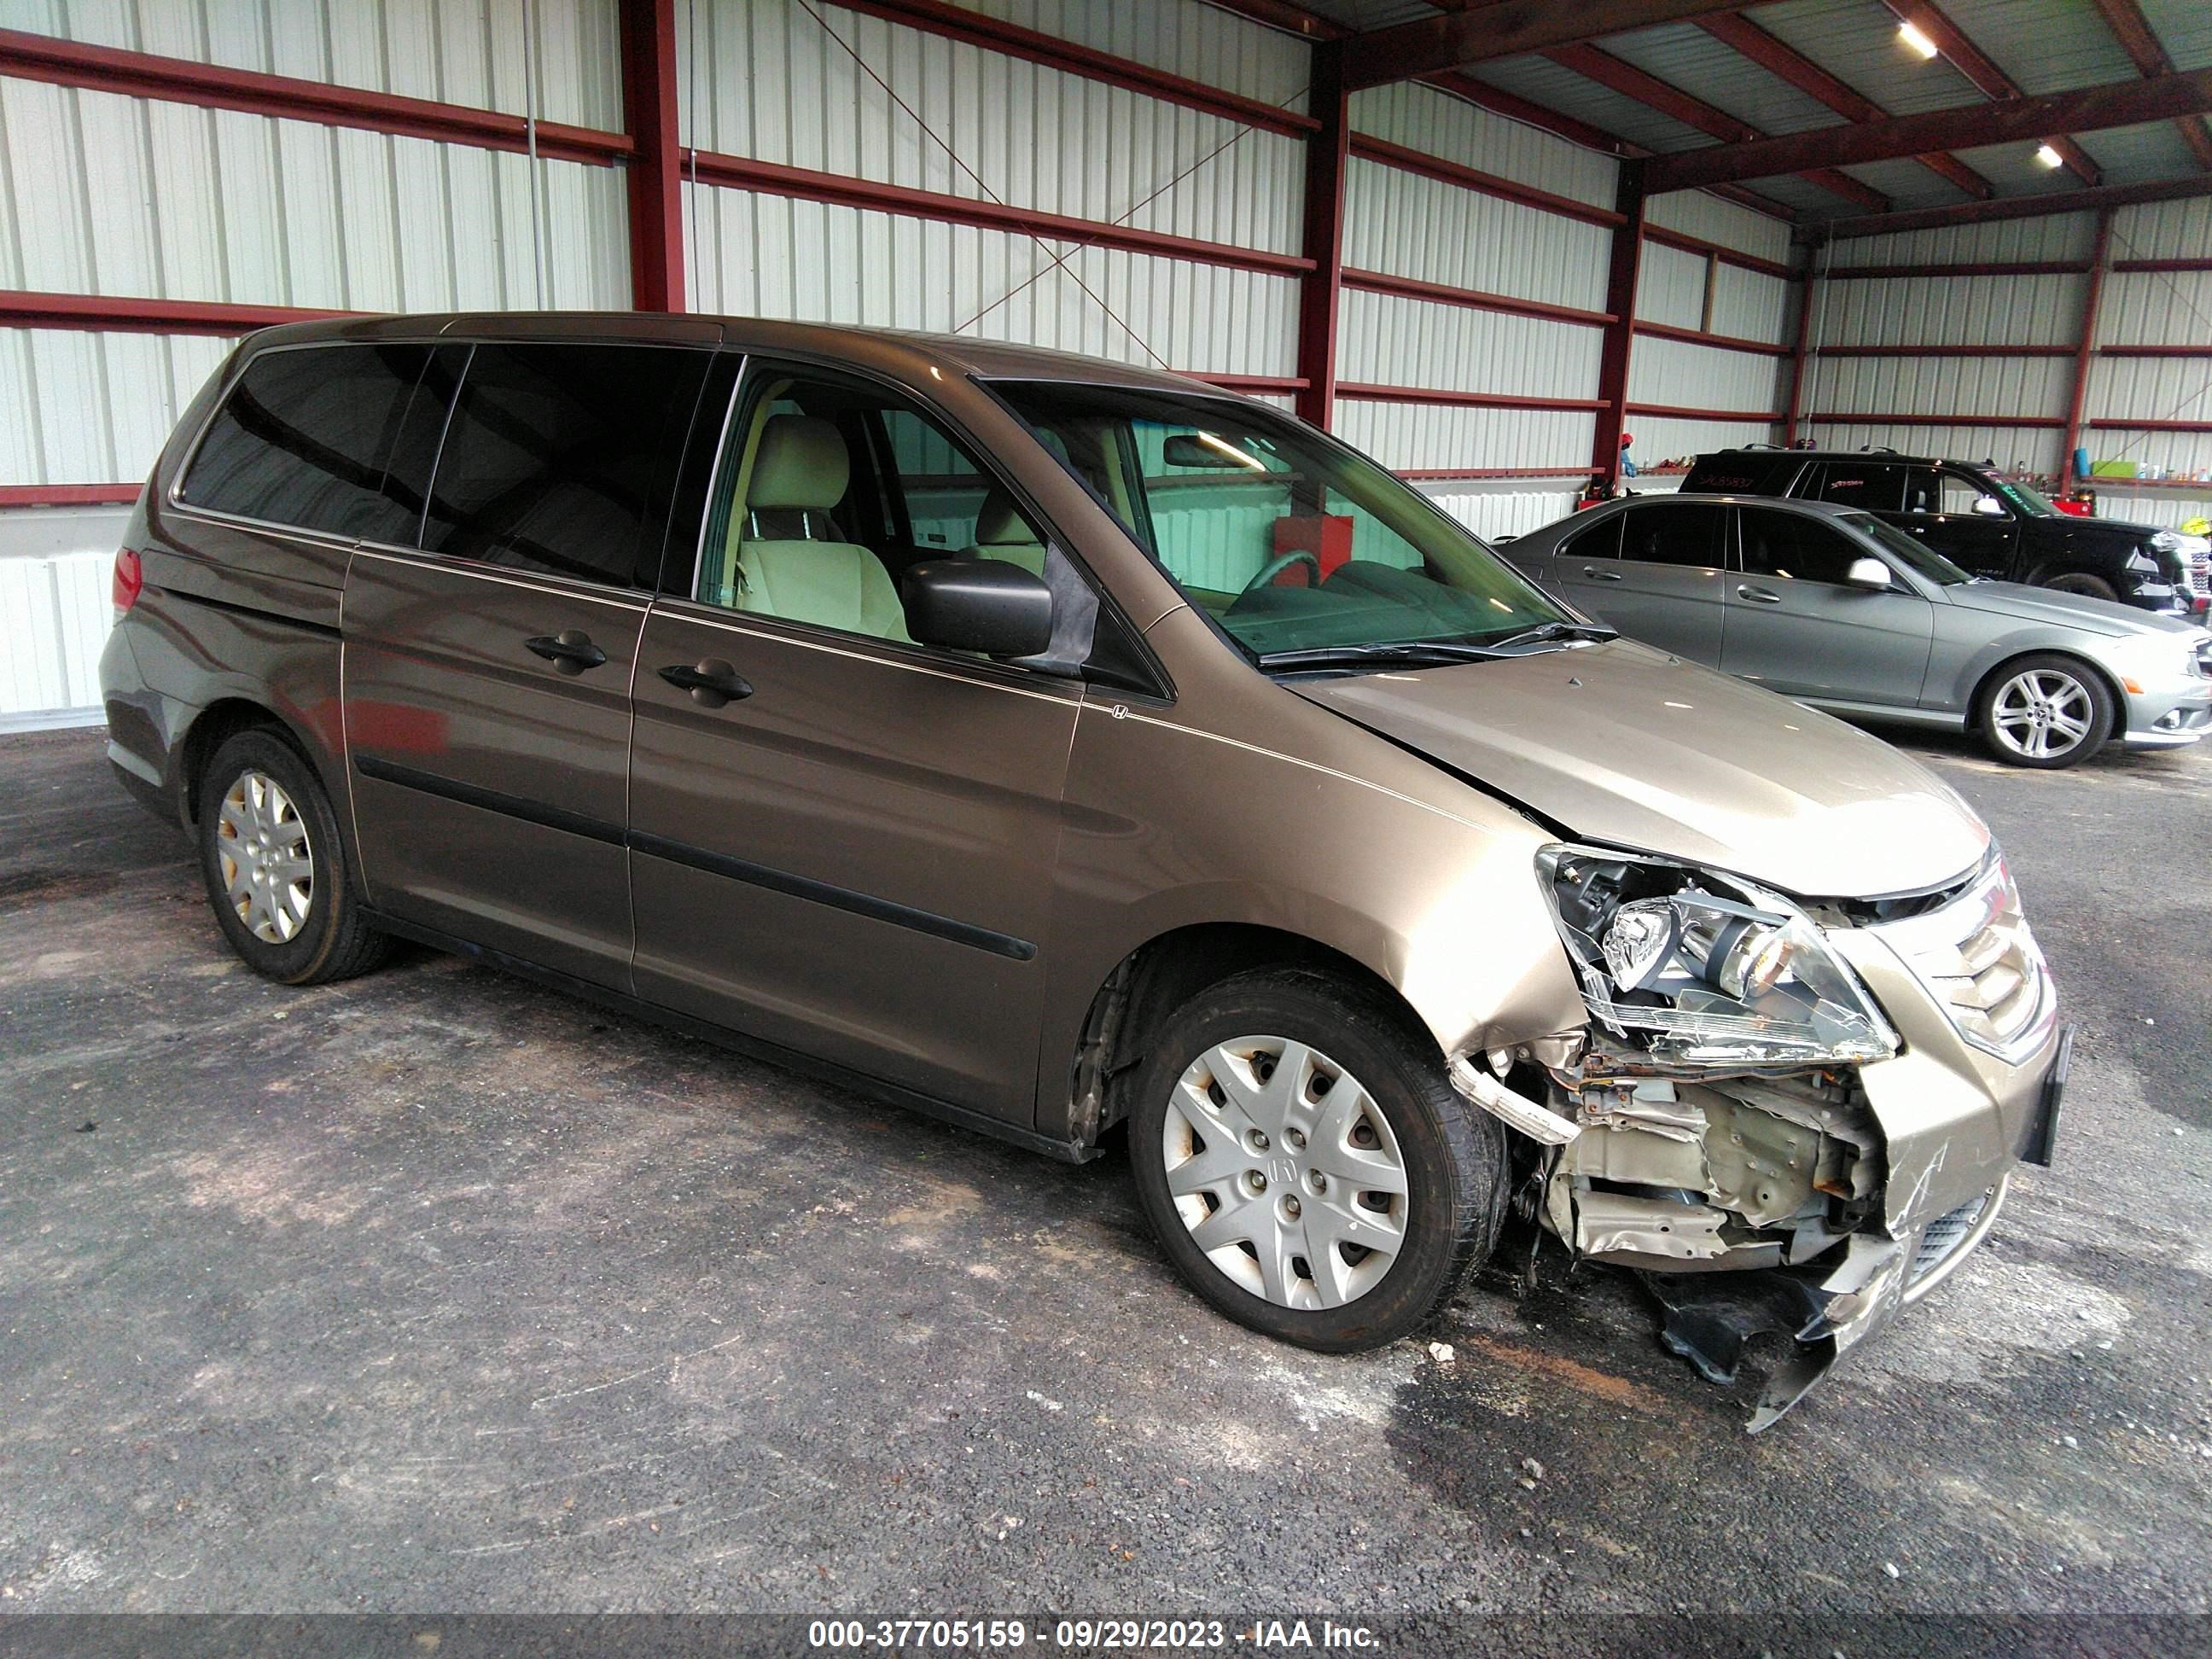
<point x="437" y="1291"/>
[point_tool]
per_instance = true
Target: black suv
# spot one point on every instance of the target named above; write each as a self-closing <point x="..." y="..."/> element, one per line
<point x="1986" y="524"/>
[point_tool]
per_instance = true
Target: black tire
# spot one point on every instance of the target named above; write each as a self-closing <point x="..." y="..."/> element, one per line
<point x="1454" y="1156"/>
<point x="333" y="941"/>
<point x="2081" y="582"/>
<point x="1994" y="728"/>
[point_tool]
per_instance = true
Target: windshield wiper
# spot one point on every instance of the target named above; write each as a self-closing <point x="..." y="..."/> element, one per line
<point x="1425" y="653"/>
<point x="1556" y="630"/>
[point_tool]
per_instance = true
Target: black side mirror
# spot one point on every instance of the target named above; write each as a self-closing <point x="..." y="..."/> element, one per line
<point x="984" y="605"/>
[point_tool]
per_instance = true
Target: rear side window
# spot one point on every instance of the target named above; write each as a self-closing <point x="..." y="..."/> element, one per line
<point x="1792" y="547"/>
<point x="305" y="438"/>
<point x="1871" y="488"/>
<point x="560" y="458"/>
<point x="1600" y="541"/>
<point x="1685" y="534"/>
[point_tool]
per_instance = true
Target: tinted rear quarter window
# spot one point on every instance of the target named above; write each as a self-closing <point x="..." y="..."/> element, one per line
<point x="1600" y="541"/>
<point x="559" y="459"/>
<point x="1872" y="486"/>
<point x="305" y="437"/>
<point x="1687" y="534"/>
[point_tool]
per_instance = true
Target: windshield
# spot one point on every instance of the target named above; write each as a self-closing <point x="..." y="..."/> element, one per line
<point x="1914" y="554"/>
<point x="1294" y="544"/>
<point x="2033" y="502"/>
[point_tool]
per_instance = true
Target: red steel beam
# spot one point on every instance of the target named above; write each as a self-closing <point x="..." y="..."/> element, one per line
<point x="974" y="29"/>
<point x="1946" y="351"/>
<point x="2153" y="350"/>
<point x="114" y="494"/>
<point x="2140" y="43"/>
<point x="1411" y="288"/>
<point x="1409" y="51"/>
<point x="1444" y="474"/>
<point x="1718" y="341"/>
<point x="1367" y="392"/>
<point x="1488" y="184"/>
<point x="2162" y="265"/>
<point x="1282" y="15"/>
<point x="1689" y="412"/>
<point x="1622" y="265"/>
<point x="1321" y="289"/>
<point x="1616" y="75"/>
<point x="2085" y="349"/>
<point x="2149" y="426"/>
<point x="2088" y="109"/>
<point x="107" y="313"/>
<point x="1279" y="383"/>
<point x="656" y="199"/>
<point x="1848" y="418"/>
<point x="1967" y="268"/>
<point x="1799" y="356"/>
<point x="210" y="86"/>
<point x="1781" y="59"/>
<point x="1727" y="256"/>
<point x="773" y="178"/>
<point x="1991" y="82"/>
<point x="2020" y="207"/>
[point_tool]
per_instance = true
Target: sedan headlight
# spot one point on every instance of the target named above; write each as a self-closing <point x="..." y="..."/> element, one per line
<point x="1702" y="968"/>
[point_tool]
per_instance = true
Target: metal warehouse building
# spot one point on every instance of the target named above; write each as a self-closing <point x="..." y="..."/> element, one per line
<point x="1480" y="241"/>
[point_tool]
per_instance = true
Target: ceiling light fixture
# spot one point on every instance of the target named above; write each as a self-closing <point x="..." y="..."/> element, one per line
<point x="2048" y="157"/>
<point x="1911" y="34"/>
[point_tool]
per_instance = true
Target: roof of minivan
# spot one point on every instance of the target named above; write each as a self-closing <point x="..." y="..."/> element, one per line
<point x="986" y="359"/>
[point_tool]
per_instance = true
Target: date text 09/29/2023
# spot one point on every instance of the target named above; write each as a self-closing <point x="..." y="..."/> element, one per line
<point x="1088" y="1635"/>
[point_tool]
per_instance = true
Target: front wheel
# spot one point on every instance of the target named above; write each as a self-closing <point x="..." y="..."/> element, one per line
<point x="2045" y="711"/>
<point x="1304" y="1164"/>
<point x="274" y="868"/>
<point x="2088" y="587"/>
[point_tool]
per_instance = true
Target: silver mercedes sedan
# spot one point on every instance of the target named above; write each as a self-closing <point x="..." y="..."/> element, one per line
<point x="1833" y="608"/>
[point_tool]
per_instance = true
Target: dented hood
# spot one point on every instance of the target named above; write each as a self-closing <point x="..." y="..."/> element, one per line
<point x="1625" y="744"/>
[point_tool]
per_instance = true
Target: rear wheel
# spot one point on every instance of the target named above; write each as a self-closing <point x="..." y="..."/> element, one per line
<point x="2045" y="711"/>
<point x="2090" y="587"/>
<point x="1304" y="1164"/>
<point x="274" y="868"/>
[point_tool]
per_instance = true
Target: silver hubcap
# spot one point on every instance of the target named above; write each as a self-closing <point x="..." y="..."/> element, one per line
<point x="2042" y="713"/>
<point x="268" y="863"/>
<point x="1286" y="1172"/>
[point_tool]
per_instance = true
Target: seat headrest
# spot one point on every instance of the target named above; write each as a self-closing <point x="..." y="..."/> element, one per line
<point x="1000" y="523"/>
<point x="801" y="463"/>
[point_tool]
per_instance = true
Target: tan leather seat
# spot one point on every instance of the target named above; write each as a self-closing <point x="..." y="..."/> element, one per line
<point x="1001" y="532"/>
<point x="799" y="472"/>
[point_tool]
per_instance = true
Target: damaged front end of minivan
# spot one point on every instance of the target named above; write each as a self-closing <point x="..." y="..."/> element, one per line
<point x="1790" y="1117"/>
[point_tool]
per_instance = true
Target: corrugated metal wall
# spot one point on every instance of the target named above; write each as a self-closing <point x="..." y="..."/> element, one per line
<point x="857" y="96"/>
<point x="1987" y="310"/>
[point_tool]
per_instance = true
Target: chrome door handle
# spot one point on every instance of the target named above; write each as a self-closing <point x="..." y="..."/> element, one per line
<point x="712" y="683"/>
<point x="1597" y="575"/>
<point x="571" y="650"/>
<point x="1759" y="595"/>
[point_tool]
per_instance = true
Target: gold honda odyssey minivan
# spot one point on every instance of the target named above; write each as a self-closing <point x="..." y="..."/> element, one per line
<point x="1061" y="748"/>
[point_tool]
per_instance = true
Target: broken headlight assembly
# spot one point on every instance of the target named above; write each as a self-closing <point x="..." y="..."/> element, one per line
<point x="1702" y="969"/>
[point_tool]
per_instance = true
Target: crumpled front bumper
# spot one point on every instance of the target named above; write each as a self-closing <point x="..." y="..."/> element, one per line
<point x="1826" y="1313"/>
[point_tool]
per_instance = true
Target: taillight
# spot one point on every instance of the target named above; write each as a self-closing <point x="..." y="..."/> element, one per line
<point x="130" y="577"/>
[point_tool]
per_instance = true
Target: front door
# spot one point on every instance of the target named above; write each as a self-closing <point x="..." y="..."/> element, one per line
<point x="1974" y="528"/>
<point x="842" y="841"/>
<point x="1796" y="627"/>
<point x="487" y="671"/>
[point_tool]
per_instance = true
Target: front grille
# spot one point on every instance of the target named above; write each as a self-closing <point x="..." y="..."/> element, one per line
<point x="1944" y="1236"/>
<point x="1978" y="959"/>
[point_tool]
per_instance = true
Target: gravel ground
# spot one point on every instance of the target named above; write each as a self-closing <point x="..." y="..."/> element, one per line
<point x="437" y="1291"/>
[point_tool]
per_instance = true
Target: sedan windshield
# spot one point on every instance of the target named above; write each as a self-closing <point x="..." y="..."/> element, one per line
<point x="1307" y="555"/>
